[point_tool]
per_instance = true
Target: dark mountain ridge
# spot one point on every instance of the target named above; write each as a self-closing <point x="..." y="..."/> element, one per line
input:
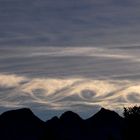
<point x="24" y="125"/>
<point x="20" y="124"/>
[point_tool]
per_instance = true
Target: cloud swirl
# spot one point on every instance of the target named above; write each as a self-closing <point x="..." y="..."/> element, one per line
<point x="67" y="93"/>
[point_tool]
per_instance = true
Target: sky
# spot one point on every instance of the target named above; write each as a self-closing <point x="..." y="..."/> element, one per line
<point x="79" y="55"/>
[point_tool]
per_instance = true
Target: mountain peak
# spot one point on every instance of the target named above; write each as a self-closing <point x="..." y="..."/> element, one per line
<point x="103" y="109"/>
<point x="104" y="115"/>
<point x="106" y="112"/>
<point x="18" y="112"/>
<point x="70" y="116"/>
<point x="19" y="115"/>
<point x="21" y="124"/>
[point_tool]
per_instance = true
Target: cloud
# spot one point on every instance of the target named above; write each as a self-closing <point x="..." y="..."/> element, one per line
<point x="8" y="81"/>
<point x="69" y="23"/>
<point x="68" y="78"/>
<point x="67" y="94"/>
<point x="59" y="62"/>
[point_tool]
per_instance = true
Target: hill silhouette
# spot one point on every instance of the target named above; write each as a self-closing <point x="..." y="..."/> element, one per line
<point x="105" y="124"/>
<point x="24" y="125"/>
<point x="20" y="124"/>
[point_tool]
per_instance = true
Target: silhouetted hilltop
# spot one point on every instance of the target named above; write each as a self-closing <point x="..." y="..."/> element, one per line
<point x="24" y="114"/>
<point x="68" y="126"/>
<point x="22" y="124"/>
<point x="105" y="124"/>
<point x="104" y="116"/>
<point x="70" y="118"/>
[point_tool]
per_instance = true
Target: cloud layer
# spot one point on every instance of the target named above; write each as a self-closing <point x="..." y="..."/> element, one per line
<point x="69" y="23"/>
<point x="61" y="78"/>
<point x="66" y="94"/>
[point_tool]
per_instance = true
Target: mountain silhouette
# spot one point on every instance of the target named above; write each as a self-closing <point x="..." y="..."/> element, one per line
<point x="104" y="117"/>
<point x="69" y="126"/>
<point x="105" y="124"/>
<point x="22" y="124"/>
<point x="70" y="119"/>
<point x="70" y="116"/>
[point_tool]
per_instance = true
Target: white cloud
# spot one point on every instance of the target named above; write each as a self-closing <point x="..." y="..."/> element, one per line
<point x="66" y="93"/>
<point x="11" y="80"/>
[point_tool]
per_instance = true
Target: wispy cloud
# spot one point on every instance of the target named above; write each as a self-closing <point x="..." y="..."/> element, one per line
<point x="69" y="93"/>
<point x="69" y="23"/>
<point x="9" y="81"/>
<point x="74" y="62"/>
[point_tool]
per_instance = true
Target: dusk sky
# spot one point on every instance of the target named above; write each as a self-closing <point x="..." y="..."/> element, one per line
<point x="79" y="55"/>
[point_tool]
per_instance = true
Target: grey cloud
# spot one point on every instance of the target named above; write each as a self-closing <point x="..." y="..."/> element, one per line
<point x="133" y="97"/>
<point x="63" y="22"/>
<point x="71" y="62"/>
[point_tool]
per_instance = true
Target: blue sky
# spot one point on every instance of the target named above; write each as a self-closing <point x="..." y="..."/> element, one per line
<point x="58" y="55"/>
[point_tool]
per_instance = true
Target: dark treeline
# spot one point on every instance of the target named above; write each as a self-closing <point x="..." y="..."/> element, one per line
<point x="22" y="124"/>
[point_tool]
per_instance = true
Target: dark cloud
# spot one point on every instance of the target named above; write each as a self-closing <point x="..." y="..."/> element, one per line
<point x="134" y="97"/>
<point x="71" y="62"/>
<point x="66" y="23"/>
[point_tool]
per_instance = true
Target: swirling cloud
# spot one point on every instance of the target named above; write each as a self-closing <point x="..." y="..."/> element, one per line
<point x="59" y="94"/>
<point x="67" y="78"/>
<point x="11" y="80"/>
